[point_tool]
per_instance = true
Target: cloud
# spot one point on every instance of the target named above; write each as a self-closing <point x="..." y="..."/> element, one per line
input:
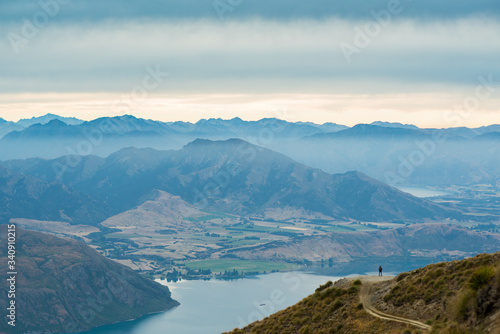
<point x="97" y="10"/>
<point x="255" y="56"/>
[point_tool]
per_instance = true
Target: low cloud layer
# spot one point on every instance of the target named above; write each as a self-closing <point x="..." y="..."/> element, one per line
<point x="255" y="56"/>
<point x="353" y="60"/>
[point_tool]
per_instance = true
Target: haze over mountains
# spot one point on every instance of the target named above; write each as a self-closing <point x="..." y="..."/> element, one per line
<point x="232" y="176"/>
<point x="393" y="153"/>
<point x="158" y="195"/>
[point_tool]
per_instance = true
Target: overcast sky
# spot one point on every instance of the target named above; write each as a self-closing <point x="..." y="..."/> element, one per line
<point x="432" y="63"/>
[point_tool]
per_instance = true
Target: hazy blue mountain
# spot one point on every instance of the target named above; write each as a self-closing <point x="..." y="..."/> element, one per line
<point x="428" y="157"/>
<point x="393" y="153"/>
<point x="64" y="286"/>
<point x="53" y="128"/>
<point x="46" y="119"/>
<point x="394" y="125"/>
<point x="25" y="196"/>
<point x="373" y="131"/>
<point x="489" y="128"/>
<point x="55" y="137"/>
<point x="490" y="136"/>
<point x="99" y="137"/>
<point x="253" y="131"/>
<point x="237" y="177"/>
<point x="126" y="124"/>
<point x="7" y="127"/>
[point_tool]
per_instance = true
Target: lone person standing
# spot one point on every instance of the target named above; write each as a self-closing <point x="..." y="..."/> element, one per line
<point x="380" y="270"/>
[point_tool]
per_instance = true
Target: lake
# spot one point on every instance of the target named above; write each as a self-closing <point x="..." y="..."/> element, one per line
<point x="210" y="307"/>
<point x="423" y="192"/>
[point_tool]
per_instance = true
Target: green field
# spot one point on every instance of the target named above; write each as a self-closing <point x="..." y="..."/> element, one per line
<point x="240" y="265"/>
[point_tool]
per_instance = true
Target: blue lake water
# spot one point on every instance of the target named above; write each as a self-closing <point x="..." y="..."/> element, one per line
<point x="210" y="307"/>
<point x="423" y="192"/>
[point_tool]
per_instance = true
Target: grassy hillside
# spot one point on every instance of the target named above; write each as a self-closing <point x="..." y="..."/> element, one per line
<point x="458" y="297"/>
<point x="330" y="310"/>
<point x="455" y="297"/>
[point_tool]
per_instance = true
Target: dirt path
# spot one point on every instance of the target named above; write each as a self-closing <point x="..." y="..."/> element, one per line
<point x="364" y="296"/>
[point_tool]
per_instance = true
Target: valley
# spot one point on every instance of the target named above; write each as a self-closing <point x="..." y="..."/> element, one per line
<point x="227" y="209"/>
<point x="231" y="166"/>
<point x="167" y="237"/>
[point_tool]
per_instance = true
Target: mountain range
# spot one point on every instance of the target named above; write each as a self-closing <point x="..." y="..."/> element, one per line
<point x="231" y="176"/>
<point x="56" y="136"/>
<point x="394" y="153"/>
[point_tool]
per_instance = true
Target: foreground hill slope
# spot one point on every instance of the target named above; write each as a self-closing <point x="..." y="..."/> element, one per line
<point x="450" y="297"/>
<point x="65" y="286"/>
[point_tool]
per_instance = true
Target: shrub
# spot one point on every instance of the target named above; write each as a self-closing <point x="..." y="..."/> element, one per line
<point x="481" y="277"/>
<point x="353" y="289"/>
<point x="305" y="330"/>
<point x="463" y="303"/>
<point x="402" y="276"/>
<point x="357" y="282"/>
<point x="324" y="286"/>
<point x="337" y="304"/>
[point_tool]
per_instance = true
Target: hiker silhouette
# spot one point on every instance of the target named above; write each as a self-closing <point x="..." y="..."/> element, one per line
<point x="380" y="271"/>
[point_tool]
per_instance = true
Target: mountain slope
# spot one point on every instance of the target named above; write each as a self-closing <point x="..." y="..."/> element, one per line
<point x="454" y="297"/>
<point x="162" y="211"/>
<point x="237" y="177"/>
<point x="24" y="196"/>
<point x="65" y="286"/>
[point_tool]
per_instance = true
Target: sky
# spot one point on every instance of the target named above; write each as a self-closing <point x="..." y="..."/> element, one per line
<point x="429" y="63"/>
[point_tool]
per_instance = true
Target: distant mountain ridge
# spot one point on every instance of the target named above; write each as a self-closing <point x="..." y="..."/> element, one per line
<point x="405" y="156"/>
<point x="27" y="122"/>
<point x="58" y="137"/>
<point x="442" y="157"/>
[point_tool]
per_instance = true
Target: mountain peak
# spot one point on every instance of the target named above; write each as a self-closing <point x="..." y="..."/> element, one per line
<point x="395" y="125"/>
<point x="56" y="122"/>
<point x="47" y="119"/>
